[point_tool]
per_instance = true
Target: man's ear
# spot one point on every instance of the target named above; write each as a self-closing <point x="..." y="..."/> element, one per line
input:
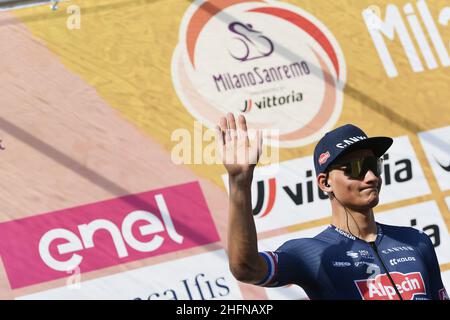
<point x="323" y="184"/>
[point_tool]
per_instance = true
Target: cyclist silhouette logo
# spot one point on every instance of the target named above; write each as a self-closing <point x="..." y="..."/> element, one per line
<point x="254" y="44"/>
<point x="273" y="61"/>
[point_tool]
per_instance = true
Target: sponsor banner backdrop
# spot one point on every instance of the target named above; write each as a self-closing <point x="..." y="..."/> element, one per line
<point x="291" y="195"/>
<point x="288" y="197"/>
<point x="425" y="217"/>
<point x="207" y="279"/>
<point x="107" y="153"/>
<point x="436" y="145"/>
<point x="110" y="233"/>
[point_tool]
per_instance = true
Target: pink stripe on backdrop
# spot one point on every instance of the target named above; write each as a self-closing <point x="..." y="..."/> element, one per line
<point x="19" y="239"/>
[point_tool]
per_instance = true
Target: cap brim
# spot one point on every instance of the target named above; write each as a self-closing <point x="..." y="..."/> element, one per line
<point x="379" y="145"/>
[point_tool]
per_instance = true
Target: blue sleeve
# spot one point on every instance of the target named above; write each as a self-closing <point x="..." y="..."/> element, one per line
<point x="284" y="267"/>
<point x="426" y="247"/>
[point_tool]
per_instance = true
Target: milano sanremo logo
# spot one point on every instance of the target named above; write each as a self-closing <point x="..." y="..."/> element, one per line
<point x="272" y="61"/>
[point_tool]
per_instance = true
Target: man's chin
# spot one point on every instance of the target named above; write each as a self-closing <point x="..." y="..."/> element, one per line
<point x="368" y="203"/>
<point x="372" y="201"/>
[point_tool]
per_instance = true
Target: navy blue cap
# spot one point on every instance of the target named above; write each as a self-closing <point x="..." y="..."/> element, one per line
<point x="343" y="140"/>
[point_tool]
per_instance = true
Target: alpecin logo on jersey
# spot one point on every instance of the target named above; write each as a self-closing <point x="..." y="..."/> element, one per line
<point x="380" y="288"/>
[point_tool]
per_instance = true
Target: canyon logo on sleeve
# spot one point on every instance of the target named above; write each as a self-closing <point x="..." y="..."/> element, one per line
<point x="272" y="61"/>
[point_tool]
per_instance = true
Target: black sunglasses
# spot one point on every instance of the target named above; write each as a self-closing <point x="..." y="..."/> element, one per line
<point x="358" y="168"/>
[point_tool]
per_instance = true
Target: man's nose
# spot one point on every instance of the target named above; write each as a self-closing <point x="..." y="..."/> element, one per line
<point x="370" y="176"/>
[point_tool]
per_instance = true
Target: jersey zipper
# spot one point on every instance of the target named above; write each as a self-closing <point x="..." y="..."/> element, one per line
<point x="374" y="247"/>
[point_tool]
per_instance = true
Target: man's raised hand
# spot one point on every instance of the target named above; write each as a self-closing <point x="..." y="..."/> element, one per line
<point x="238" y="154"/>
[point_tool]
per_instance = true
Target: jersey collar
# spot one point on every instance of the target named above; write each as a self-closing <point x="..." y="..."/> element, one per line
<point x="347" y="235"/>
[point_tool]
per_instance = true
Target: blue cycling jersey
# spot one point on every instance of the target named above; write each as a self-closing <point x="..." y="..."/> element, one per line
<point x="400" y="264"/>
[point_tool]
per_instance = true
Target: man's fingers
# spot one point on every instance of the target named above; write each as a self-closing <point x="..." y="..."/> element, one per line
<point x="242" y="123"/>
<point x="224" y="127"/>
<point x="220" y="144"/>
<point x="243" y="133"/>
<point x="231" y="121"/>
<point x="220" y="137"/>
<point x="259" y="141"/>
<point x="223" y="124"/>
<point x="232" y="126"/>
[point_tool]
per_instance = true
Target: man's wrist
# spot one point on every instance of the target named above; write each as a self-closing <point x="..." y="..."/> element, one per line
<point x="243" y="180"/>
